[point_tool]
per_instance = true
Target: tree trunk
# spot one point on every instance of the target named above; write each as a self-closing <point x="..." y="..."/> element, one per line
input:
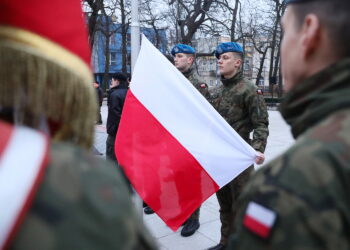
<point x="95" y="6"/>
<point x="107" y="53"/>
<point x="124" y="37"/>
<point x="156" y="33"/>
<point x="194" y="20"/>
<point x="234" y="20"/>
<point x="262" y="61"/>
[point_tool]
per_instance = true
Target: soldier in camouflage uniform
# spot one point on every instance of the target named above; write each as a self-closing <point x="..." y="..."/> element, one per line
<point x="81" y="201"/>
<point x="184" y="57"/>
<point x="245" y="110"/>
<point x="301" y="199"/>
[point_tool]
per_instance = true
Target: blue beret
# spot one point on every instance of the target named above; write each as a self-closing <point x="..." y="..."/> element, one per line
<point x="228" y="47"/>
<point x="182" y="48"/>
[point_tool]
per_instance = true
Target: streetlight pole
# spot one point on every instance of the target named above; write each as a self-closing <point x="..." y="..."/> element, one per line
<point x="135" y="48"/>
<point x="135" y="32"/>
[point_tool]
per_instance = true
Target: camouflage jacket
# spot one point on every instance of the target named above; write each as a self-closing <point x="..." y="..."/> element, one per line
<point x="241" y="106"/>
<point x="193" y="77"/>
<point x="82" y="203"/>
<point x="308" y="186"/>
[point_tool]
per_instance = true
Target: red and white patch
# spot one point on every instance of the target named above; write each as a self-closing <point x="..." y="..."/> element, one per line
<point x="259" y="219"/>
<point x="23" y="158"/>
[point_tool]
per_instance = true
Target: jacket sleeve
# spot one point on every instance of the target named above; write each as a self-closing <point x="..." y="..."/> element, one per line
<point x="259" y="120"/>
<point x="297" y="226"/>
<point x="305" y="217"/>
<point x="114" y="113"/>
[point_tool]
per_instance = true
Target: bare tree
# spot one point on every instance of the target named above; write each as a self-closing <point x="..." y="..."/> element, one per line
<point x="95" y="7"/>
<point x="275" y="44"/>
<point x="124" y="32"/>
<point x="105" y="26"/>
<point x="153" y="18"/>
<point x="261" y="45"/>
<point x="190" y="16"/>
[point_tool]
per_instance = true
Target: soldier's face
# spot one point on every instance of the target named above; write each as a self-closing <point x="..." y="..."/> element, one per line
<point x="229" y="64"/>
<point x="291" y="56"/>
<point x="183" y="61"/>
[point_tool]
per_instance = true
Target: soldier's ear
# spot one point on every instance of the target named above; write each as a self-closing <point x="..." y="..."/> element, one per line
<point x="191" y="58"/>
<point x="238" y="62"/>
<point x="310" y="35"/>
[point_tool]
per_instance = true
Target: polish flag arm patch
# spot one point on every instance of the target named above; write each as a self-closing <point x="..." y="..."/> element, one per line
<point x="259" y="220"/>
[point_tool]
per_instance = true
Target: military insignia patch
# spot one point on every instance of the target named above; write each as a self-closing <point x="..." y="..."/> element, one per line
<point x="259" y="220"/>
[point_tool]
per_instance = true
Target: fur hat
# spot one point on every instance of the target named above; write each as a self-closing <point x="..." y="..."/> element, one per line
<point x="45" y="67"/>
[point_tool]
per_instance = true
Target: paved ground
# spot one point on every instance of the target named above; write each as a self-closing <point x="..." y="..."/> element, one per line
<point x="209" y="232"/>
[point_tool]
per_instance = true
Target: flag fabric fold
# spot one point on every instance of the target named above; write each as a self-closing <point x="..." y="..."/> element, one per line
<point x="174" y="147"/>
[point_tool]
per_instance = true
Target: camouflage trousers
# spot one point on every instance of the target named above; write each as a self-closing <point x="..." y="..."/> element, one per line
<point x="227" y="198"/>
<point x="110" y="155"/>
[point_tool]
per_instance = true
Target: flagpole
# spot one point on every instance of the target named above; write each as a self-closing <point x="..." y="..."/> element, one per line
<point x="135" y="48"/>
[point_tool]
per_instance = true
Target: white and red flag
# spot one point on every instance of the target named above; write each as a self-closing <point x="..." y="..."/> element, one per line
<point x="174" y="147"/>
<point x="23" y="159"/>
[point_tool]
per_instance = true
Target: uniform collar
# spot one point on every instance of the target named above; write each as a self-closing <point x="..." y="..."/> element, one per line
<point x="232" y="81"/>
<point x="189" y="72"/>
<point x="318" y="96"/>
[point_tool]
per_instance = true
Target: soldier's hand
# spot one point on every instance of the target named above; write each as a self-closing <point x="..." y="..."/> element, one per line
<point x="260" y="158"/>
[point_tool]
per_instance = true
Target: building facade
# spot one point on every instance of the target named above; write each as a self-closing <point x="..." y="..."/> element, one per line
<point x="114" y="49"/>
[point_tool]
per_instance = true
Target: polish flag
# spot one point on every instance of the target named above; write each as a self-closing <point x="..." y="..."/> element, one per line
<point x="23" y="159"/>
<point x="174" y="147"/>
<point x="259" y="219"/>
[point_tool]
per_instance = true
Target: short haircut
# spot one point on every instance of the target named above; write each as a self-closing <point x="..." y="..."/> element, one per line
<point x="238" y="55"/>
<point x="193" y="56"/>
<point x="120" y="76"/>
<point x="190" y="55"/>
<point x="334" y="16"/>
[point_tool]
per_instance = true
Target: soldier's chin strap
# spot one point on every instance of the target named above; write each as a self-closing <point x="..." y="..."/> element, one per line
<point x="23" y="158"/>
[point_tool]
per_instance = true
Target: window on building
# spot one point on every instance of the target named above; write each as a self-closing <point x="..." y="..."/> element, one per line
<point x="261" y="82"/>
<point x="246" y="65"/>
<point x="113" y="58"/>
<point x="128" y="39"/>
<point x="113" y="40"/>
